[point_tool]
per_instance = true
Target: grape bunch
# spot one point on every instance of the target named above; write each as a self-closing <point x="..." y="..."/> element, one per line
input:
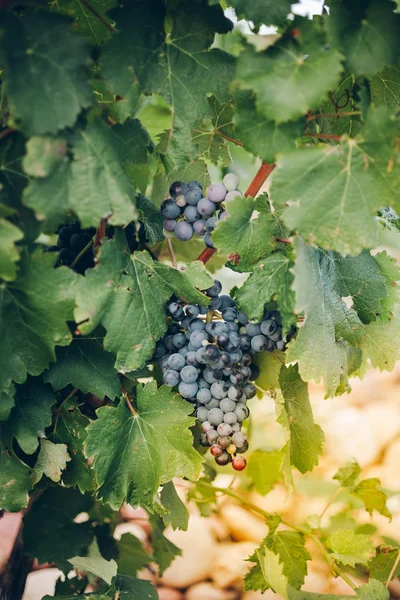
<point x="188" y="211"/>
<point x="207" y="355"/>
<point x="70" y="243"/>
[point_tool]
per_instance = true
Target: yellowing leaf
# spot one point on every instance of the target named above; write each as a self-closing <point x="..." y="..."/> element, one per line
<point x="350" y="548"/>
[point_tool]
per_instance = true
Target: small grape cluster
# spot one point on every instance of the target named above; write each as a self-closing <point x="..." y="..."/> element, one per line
<point x="207" y="354"/>
<point x="70" y="243"/>
<point x="189" y="211"/>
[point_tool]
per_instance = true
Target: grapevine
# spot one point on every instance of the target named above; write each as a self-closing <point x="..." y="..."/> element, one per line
<point x="199" y="228"/>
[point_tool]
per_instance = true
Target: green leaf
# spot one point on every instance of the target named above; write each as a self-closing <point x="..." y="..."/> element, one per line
<point x="178" y="514"/>
<point x="300" y="595"/>
<point x="306" y="437"/>
<point x="100" y="186"/>
<point x="52" y="460"/>
<point x="320" y="346"/>
<point x="6" y="403"/>
<point x="164" y="551"/>
<point x="373" y="498"/>
<point x="271" y="279"/>
<point x="45" y="59"/>
<point x="31" y="413"/>
<point x="264" y="469"/>
<point x="132" y="557"/>
<point x="367" y="33"/>
<point x="272" y="570"/>
<point x="98" y="566"/>
<point x="134" y="454"/>
<point x="348" y="475"/>
<point x="262" y="12"/>
<point x="70" y="429"/>
<point x="260" y="134"/>
<point x="50" y="533"/>
<point x="152" y="219"/>
<point x="380" y="342"/>
<point x="292" y="76"/>
<point x="270" y="364"/>
<point x="125" y="588"/>
<point x="124" y="287"/>
<point x="246" y="235"/>
<point x="381" y="565"/>
<point x="385" y="87"/>
<point x="85" y="22"/>
<point x="329" y="205"/>
<point x="373" y="590"/>
<point x="9" y="255"/>
<point x="43" y="155"/>
<point x="33" y="317"/>
<point x="350" y="548"/>
<point x="15" y="482"/>
<point x="177" y="65"/>
<point x="86" y="366"/>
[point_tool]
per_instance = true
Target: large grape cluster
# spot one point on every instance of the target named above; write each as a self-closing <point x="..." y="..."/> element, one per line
<point x="207" y="355"/>
<point x="189" y="211"/>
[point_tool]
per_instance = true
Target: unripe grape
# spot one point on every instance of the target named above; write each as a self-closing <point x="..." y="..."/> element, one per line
<point x="231" y="449"/>
<point x="231" y="182"/>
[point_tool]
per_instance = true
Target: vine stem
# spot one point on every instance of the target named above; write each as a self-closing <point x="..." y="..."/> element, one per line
<point x="81" y="253"/>
<point x="324" y="136"/>
<point x="393" y="569"/>
<point x="98" y="16"/>
<point x="260" y="177"/>
<point x="130" y="405"/>
<point x="171" y="253"/>
<point x="298" y="528"/>
<point x="100" y="232"/>
<point x="331" y="501"/>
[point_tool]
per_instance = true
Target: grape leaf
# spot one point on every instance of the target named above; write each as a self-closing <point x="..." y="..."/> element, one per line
<point x="292" y="76"/>
<point x="51" y="461"/>
<point x="85" y="21"/>
<point x="373" y="590"/>
<point x="358" y="31"/>
<point x="15" y="481"/>
<point x="6" y="403"/>
<point x="50" y="533"/>
<point x="261" y="135"/>
<point x="264" y="469"/>
<point x="178" y="514"/>
<point x="348" y="475"/>
<point x="300" y="595"/>
<point x="381" y="565"/>
<point x="43" y="154"/>
<point x="70" y="429"/>
<point x="9" y="254"/>
<point x="270" y="279"/>
<point x="245" y="233"/>
<point x="45" y="44"/>
<point x="87" y="366"/>
<point x="31" y="413"/>
<point x="132" y="557"/>
<point x="272" y="571"/>
<point x="49" y="196"/>
<point x="98" y="566"/>
<point x="380" y="342"/>
<point x="152" y="219"/>
<point x="124" y="287"/>
<point x="270" y="364"/>
<point x="350" y="548"/>
<point x="306" y="437"/>
<point x="170" y="61"/>
<point x="329" y="205"/>
<point x="372" y="497"/>
<point x="210" y="138"/>
<point x="262" y="12"/>
<point x="385" y="87"/>
<point x="101" y="187"/>
<point x="164" y="550"/>
<point x="34" y="314"/>
<point x="134" y="454"/>
<point x="125" y="588"/>
<point x="320" y="347"/>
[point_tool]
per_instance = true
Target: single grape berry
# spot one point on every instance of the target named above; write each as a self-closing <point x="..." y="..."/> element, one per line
<point x="216" y="450"/>
<point x="231" y="182"/>
<point x="194" y="195"/>
<point x="184" y="231"/>
<point x="239" y="463"/>
<point x="223" y="459"/>
<point x="191" y="214"/>
<point x="178" y="187"/>
<point x="216" y="192"/>
<point x="169" y="224"/>
<point x="215" y="289"/>
<point x="170" y="210"/>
